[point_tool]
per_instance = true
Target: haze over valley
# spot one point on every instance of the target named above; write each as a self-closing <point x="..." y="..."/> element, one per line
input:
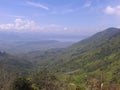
<point x="59" y="45"/>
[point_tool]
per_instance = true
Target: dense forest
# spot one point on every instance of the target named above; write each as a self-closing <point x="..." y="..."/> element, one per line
<point x="91" y="64"/>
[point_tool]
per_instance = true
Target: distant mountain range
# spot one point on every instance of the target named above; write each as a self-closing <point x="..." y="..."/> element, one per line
<point x="37" y="36"/>
<point x="17" y="47"/>
<point x="16" y="42"/>
<point x="92" y="56"/>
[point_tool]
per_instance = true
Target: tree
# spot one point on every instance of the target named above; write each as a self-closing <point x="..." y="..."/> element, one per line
<point x="22" y="83"/>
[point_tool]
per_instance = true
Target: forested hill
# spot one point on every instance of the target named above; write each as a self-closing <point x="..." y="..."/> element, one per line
<point x="97" y="39"/>
<point x="96" y="53"/>
<point x="11" y="63"/>
<point x="97" y="50"/>
<point x="79" y="65"/>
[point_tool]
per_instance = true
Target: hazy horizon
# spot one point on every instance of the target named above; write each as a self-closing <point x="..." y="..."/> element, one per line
<point x="68" y="19"/>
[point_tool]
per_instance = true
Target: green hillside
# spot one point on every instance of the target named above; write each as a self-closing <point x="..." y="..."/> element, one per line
<point x="89" y="62"/>
<point x="90" y="57"/>
<point x="107" y="39"/>
<point x="12" y="63"/>
<point x="96" y="48"/>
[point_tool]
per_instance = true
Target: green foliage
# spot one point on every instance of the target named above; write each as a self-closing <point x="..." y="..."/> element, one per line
<point x="48" y="81"/>
<point x="22" y="83"/>
<point x="93" y="60"/>
<point x="12" y="63"/>
<point x="90" y="57"/>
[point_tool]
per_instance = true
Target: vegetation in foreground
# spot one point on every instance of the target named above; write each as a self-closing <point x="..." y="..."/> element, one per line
<point x="84" y="66"/>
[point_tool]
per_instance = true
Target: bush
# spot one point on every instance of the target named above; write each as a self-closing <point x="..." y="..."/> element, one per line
<point x="22" y="83"/>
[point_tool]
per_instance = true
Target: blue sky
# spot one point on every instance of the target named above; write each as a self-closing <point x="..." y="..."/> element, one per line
<point x="78" y="17"/>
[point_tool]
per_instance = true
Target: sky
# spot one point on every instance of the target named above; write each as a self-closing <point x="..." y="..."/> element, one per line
<point x="73" y="17"/>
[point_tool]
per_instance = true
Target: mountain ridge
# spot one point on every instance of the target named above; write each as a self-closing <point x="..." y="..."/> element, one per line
<point x="80" y="63"/>
<point x="81" y="51"/>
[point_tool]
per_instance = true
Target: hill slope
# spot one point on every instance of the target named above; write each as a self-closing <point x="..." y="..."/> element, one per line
<point x="99" y="53"/>
<point x="93" y="60"/>
<point x="11" y="63"/>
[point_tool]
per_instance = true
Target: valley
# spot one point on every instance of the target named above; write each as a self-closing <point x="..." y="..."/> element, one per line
<point x="94" y="60"/>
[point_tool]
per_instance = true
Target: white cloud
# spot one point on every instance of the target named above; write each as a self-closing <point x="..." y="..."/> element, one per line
<point x="112" y="10"/>
<point x="24" y="25"/>
<point x="87" y="4"/>
<point x="65" y="28"/>
<point x="19" y="24"/>
<point x="38" y="5"/>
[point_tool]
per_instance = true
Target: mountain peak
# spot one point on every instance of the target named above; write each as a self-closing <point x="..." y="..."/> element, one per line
<point x="112" y="29"/>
